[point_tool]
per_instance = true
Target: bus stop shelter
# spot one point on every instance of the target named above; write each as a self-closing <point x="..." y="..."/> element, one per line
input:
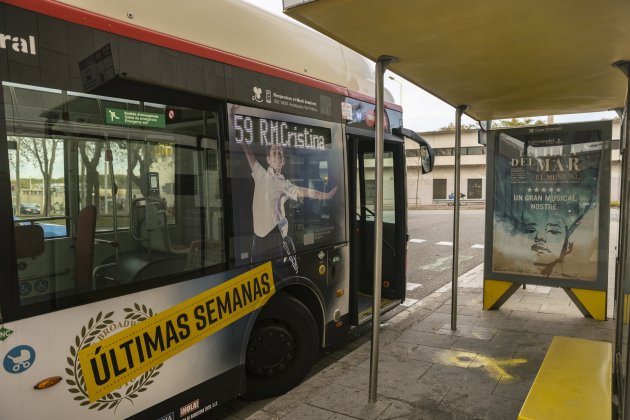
<point x="495" y="60"/>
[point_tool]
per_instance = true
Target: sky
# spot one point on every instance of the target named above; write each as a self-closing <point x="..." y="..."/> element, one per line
<point x="421" y="110"/>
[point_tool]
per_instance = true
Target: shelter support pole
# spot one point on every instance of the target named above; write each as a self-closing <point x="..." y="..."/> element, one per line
<point x="381" y="66"/>
<point x="456" y="202"/>
<point x="621" y="271"/>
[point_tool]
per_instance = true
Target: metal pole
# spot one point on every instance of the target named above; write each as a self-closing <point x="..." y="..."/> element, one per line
<point x="620" y="271"/>
<point x="109" y="157"/>
<point x="381" y="66"/>
<point x="622" y="245"/>
<point x="458" y="142"/>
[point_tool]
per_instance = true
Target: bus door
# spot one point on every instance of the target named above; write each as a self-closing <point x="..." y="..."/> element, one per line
<point x="362" y="184"/>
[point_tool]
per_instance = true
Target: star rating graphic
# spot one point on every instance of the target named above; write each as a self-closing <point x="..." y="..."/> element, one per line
<point x="544" y="189"/>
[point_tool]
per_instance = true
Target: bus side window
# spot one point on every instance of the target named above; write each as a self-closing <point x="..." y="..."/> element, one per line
<point x="37" y="188"/>
<point x="154" y="194"/>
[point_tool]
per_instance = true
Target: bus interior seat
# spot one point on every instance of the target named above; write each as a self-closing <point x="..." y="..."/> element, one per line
<point x="150" y="227"/>
<point x="29" y="240"/>
<point x="84" y="247"/>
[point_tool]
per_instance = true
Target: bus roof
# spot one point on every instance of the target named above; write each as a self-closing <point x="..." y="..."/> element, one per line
<point x="241" y="34"/>
<point x="502" y="59"/>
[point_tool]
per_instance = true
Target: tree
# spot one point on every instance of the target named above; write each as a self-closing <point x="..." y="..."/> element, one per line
<point x="451" y="127"/>
<point x="516" y="122"/>
<point x="136" y="158"/>
<point x="14" y="164"/>
<point x="513" y="122"/>
<point x="43" y="151"/>
<point x="92" y="184"/>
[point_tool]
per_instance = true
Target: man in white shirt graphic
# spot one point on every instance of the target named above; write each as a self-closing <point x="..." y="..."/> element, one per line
<point x="271" y="191"/>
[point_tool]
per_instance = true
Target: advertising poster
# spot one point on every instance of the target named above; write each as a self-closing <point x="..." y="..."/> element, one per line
<point x="287" y="184"/>
<point x="549" y="208"/>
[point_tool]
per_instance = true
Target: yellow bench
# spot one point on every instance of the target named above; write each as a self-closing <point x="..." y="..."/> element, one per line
<point x="574" y="382"/>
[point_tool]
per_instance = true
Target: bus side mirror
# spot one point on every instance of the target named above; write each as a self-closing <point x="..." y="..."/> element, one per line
<point x="427" y="158"/>
<point x="427" y="155"/>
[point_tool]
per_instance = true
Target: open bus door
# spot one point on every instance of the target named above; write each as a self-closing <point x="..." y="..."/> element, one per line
<point x="361" y="184"/>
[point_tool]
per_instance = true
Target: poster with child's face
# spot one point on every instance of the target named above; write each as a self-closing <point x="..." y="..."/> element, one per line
<point x="287" y="185"/>
<point x="550" y="189"/>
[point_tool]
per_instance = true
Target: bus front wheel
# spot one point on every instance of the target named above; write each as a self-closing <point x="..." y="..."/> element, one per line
<point x="282" y="348"/>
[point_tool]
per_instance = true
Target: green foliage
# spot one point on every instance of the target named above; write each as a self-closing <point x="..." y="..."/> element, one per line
<point x="517" y="122"/>
<point x="26" y="183"/>
<point x="514" y="122"/>
<point x="451" y="127"/>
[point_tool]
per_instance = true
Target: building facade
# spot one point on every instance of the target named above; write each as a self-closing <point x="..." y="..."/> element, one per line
<point x="438" y="186"/>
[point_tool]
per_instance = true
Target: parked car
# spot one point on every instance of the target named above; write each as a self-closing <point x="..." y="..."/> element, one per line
<point x="29" y="208"/>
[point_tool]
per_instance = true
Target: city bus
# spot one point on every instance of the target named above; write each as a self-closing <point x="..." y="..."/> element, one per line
<point x="186" y="205"/>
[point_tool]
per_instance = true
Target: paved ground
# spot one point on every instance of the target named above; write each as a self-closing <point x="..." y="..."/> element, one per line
<point x="427" y="371"/>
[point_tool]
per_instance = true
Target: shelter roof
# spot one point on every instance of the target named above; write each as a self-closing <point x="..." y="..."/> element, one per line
<point x="503" y="59"/>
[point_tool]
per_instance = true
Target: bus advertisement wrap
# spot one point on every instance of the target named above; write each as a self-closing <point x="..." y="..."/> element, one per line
<point x="114" y="361"/>
<point x="550" y="190"/>
<point x="287" y="187"/>
<point x="173" y="190"/>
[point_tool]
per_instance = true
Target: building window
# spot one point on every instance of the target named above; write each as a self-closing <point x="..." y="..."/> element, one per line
<point x="477" y="150"/>
<point x="439" y="189"/>
<point x="445" y="151"/>
<point x="450" y="151"/>
<point x="475" y="188"/>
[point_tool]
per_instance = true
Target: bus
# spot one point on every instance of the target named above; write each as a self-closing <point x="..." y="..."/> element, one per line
<point x="203" y="179"/>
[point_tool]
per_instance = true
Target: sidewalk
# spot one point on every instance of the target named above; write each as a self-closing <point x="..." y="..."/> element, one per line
<point x="483" y="370"/>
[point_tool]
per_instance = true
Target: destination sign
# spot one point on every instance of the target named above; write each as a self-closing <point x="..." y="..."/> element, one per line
<point x="268" y="132"/>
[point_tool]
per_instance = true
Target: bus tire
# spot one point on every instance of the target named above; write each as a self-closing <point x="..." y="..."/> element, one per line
<point x="282" y="348"/>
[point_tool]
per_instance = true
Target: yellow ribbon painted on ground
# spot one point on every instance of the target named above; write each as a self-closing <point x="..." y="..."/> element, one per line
<point x="493" y="366"/>
<point x="118" y="359"/>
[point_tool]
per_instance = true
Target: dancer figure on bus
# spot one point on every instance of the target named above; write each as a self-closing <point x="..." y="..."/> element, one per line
<point x="271" y="191"/>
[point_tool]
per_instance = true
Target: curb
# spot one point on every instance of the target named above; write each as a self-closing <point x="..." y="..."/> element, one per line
<point x="435" y="299"/>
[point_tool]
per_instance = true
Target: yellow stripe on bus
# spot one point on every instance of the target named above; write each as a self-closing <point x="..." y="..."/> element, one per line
<point x="111" y="363"/>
